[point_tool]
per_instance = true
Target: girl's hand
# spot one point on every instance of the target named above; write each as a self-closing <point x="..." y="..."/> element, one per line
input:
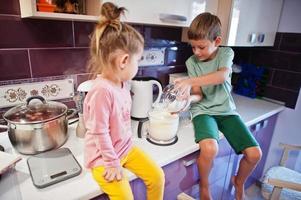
<point x="113" y="173"/>
<point x="183" y="86"/>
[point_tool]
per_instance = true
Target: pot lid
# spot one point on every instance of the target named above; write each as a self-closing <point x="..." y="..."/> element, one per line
<point x="35" y="111"/>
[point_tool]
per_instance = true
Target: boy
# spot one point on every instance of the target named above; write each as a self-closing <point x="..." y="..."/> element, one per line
<point x="209" y="71"/>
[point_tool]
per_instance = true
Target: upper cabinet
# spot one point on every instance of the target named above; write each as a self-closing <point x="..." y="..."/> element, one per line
<point x="164" y="12"/>
<point x="249" y="23"/>
<point x="244" y="22"/>
<point x="85" y="10"/>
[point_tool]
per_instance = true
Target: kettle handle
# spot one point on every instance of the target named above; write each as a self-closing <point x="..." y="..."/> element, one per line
<point x="158" y="84"/>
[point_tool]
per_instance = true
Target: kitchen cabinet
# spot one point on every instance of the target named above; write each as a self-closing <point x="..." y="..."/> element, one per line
<point x="226" y="163"/>
<point x="250" y="23"/>
<point x="220" y="170"/>
<point x="263" y="132"/>
<point x="164" y="12"/>
<point x="180" y="176"/>
<point x="29" y="10"/>
<point x="224" y="167"/>
<point x="247" y="23"/>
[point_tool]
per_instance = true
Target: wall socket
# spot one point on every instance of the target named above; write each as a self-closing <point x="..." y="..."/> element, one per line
<point x="153" y="56"/>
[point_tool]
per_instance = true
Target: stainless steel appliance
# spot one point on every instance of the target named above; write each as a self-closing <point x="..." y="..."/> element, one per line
<point x="35" y="127"/>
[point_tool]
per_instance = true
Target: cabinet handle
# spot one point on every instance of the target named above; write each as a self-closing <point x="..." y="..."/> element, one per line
<point x="260" y="37"/>
<point x="264" y="123"/>
<point x="252" y="38"/>
<point x="189" y="162"/>
<point x="172" y="18"/>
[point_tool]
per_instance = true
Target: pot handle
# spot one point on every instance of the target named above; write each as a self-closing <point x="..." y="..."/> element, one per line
<point x="35" y="97"/>
<point x="71" y="113"/>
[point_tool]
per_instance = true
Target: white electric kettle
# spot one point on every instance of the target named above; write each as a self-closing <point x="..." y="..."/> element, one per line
<point x="142" y="96"/>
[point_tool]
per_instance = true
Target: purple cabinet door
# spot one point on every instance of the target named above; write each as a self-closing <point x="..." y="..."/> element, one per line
<point x="138" y="189"/>
<point x="264" y="137"/>
<point x="263" y="132"/>
<point x="218" y="173"/>
<point x="180" y="176"/>
<point x="228" y="192"/>
<point x="220" y="163"/>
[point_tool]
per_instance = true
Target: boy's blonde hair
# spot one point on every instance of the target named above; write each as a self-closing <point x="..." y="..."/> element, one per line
<point x="204" y="26"/>
<point x="109" y="36"/>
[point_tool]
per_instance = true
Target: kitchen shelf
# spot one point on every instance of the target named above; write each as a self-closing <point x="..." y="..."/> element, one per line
<point x="29" y="10"/>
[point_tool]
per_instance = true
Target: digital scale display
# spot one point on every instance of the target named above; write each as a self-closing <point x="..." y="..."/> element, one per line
<point x="58" y="174"/>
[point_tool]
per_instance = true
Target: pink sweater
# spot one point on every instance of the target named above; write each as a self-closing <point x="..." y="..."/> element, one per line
<point x="108" y="122"/>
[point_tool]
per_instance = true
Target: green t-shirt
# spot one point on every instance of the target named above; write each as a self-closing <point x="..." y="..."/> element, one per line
<point x="217" y="99"/>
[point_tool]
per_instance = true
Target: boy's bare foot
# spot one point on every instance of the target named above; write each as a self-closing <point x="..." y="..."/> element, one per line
<point x="205" y="194"/>
<point x="239" y="189"/>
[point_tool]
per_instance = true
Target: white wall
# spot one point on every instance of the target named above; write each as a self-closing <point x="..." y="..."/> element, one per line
<point x="287" y="130"/>
<point x="290" y="18"/>
<point x="288" y="127"/>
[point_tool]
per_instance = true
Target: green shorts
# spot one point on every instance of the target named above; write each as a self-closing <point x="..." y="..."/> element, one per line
<point x="235" y="131"/>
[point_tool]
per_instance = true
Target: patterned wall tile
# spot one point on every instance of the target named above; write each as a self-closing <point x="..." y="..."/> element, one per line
<point x="14" y="64"/>
<point x="11" y="95"/>
<point x="25" y="33"/>
<point x="54" y="62"/>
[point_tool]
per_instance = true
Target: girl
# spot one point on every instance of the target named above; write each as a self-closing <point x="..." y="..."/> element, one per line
<point x="115" y="51"/>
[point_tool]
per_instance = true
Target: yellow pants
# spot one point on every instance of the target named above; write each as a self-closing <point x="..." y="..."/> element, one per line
<point x="144" y="167"/>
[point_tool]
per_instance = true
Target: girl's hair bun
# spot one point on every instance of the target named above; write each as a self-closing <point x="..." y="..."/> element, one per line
<point x="111" y="12"/>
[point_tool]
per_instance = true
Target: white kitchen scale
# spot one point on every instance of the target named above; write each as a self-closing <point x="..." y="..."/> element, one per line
<point x="52" y="167"/>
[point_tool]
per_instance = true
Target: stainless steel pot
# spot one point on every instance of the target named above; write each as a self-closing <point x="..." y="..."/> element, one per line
<point x="36" y="127"/>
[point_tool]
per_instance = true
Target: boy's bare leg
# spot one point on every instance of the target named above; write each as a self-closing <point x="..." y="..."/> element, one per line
<point x="208" y="151"/>
<point x="251" y="157"/>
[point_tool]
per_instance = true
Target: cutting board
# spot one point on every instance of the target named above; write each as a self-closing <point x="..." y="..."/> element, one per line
<point x="7" y="160"/>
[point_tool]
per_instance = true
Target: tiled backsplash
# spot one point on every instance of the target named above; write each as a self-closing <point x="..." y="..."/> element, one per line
<point x="37" y="50"/>
<point x="32" y="49"/>
<point x="283" y="65"/>
<point x="11" y="95"/>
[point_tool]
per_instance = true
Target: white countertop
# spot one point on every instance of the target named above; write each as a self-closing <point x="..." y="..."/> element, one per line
<point x="18" y="184"/>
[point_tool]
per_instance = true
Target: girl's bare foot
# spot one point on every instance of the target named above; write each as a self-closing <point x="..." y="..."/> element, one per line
<point x="239" y="189"/>
<point x="205" y="194"/>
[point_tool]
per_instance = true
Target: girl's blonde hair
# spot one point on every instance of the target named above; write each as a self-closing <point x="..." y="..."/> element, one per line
<point x="110" y="35"/>
<point x="204" y="26"/>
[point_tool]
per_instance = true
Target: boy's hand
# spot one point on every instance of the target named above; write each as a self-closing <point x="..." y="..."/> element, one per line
<point x="183" y="86"/>
<point x="113" y="173"/>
